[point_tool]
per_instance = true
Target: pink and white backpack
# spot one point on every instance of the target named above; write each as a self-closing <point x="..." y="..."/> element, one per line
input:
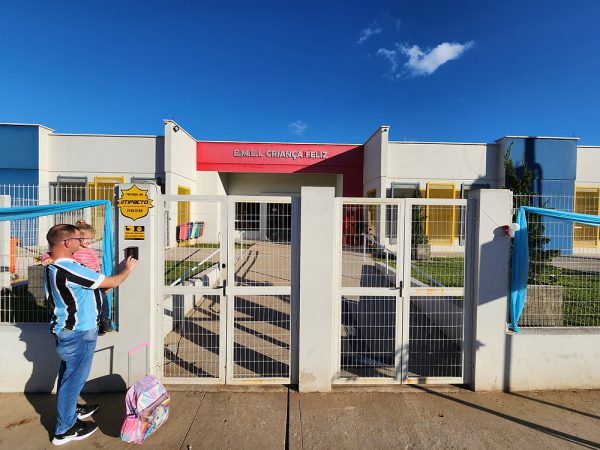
<point x="147" y="408"/>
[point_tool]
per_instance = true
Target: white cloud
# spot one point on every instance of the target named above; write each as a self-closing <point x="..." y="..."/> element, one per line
<point x="298" y="127"/>
<point x="424" y="62"/>
<point x="392" y="56"/>
<point x="366" y="33"/>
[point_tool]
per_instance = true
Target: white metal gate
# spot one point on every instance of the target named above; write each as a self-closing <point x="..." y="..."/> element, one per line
<point x="401" y="305"/>
<point x="227" y="289"/>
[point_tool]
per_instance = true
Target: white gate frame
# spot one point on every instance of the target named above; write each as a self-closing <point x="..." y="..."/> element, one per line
<point x="404" y="292"/>
<point x="226" y="290"/>
<point x="233" y="290"/>
<point x="163" y="215"/>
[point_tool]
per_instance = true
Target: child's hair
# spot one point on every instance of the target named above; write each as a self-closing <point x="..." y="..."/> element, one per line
<point x="82" y="226"/>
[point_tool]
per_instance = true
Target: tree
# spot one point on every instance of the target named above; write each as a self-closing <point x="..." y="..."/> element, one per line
<point x="521" y="184"/>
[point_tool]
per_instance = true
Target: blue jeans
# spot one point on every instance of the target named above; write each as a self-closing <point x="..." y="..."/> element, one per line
<point x="76" y="350"/>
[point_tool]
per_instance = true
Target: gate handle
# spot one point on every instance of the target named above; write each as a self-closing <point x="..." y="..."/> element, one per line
<point x="224" y="288"/>
<point x="401" y="285"/>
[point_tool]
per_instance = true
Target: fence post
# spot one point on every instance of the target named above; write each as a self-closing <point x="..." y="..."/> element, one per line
<point x="491" y="267"/>
<point x="317" y="256"/>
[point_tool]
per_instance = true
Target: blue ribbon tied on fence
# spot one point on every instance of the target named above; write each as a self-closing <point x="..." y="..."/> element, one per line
<point x="31" y="212"/>
<point x="520" y="256"/>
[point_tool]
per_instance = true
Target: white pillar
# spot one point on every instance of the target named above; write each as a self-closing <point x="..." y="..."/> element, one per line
<point x="138" y="297"/>
<point x="491" y="288"/>
<point x="4" y="245"/>
<point x="317" y="225"/>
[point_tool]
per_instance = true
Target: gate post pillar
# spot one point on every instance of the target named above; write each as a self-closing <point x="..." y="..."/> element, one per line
<point x="491" y="266"/>
<point x="317" y="256"/>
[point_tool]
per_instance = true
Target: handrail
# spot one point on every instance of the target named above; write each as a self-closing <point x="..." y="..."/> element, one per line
<point x="387" y="251"/>
<point x="182" y="277"/>
<point x="241" y="236"/>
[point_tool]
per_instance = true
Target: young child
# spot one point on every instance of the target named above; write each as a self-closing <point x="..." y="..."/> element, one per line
<point x="89" y="258"/>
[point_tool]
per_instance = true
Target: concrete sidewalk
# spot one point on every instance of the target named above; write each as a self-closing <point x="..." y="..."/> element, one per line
<point x="275" y="418"/>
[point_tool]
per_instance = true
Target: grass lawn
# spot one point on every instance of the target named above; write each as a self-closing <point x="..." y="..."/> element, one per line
<point x="581" y="295"/>
<point x="447" y="271"/>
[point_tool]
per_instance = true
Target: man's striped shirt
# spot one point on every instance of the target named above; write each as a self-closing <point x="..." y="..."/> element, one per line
<point x="73" y="295"/>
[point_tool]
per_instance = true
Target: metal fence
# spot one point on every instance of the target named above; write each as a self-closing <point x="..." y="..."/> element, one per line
<point x="563" y="287"/>
<point x="227" y="285"/>
<point x="23" y="242"/>
<point x="402" y="291"/>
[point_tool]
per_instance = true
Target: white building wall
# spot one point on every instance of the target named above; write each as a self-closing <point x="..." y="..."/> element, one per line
<point x="423" y="161"/>
<point x="588" y="163"/>
<point x="180" y="158"/>
<point x="278" y="183"/>
<point x="98" y="155"/>
<point x="374" y="160"/>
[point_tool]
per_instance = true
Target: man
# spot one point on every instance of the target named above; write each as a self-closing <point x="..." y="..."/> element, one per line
<point x="73" y="293"/>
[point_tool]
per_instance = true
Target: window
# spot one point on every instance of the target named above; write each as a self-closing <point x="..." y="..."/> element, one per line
<point x="372" y="215"/>
<point x="397" y="190"/>
<point x="440" y="225"/>
<point x="247" y="216"/>
<point x="586" y="202"/>
<point x="183" y="208"/>
<point x="102" y="188"/>
<point x="68" y="189"/>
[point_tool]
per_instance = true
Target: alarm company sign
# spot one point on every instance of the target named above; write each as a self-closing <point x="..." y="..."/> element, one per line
<point x="134" y="203"/>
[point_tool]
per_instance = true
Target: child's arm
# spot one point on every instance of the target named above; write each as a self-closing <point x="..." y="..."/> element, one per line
<point x="88" y="257"/>
<point x="47" y="259"/>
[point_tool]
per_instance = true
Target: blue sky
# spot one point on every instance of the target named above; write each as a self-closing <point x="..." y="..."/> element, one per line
<point x="305" y="71"/>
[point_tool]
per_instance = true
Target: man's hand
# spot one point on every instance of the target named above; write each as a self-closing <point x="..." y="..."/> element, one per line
<point x="130" y="264"/>
<point x="115" y="280"/>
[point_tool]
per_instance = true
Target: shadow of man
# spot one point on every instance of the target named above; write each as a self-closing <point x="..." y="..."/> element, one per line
<point x="106" y="390"/>
<point x="40" y="351"/>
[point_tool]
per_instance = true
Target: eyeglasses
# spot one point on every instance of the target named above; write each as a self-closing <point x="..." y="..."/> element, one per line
<point x="80" y="239"/>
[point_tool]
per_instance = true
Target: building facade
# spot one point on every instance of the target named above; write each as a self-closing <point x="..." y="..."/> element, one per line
<point x="72" y="167"/>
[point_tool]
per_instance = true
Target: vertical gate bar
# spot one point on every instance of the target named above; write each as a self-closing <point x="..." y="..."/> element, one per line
<point x="295" y="291"/>
<point x="162" y="224"/>
<point x="406" y="267"/>
<point x="337" y="300"/>
<point x="400" y="246"/>
<point x="469" y="307"/>
<point x="227" y="338"/>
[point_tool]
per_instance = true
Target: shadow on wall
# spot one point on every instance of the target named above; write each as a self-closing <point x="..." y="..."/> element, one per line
<point x="497" y="288"/>
<point x="40" y="351"/>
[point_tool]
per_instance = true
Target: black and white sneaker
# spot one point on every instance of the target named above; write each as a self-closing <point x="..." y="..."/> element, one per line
<point x="85" y="411"/>
<point x="77" y="432"/>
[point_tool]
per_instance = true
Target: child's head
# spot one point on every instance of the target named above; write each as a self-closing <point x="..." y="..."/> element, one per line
<point x="87" y="232"/>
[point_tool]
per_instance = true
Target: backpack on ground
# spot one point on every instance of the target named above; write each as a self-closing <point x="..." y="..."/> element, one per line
<point x="147" y="407"/>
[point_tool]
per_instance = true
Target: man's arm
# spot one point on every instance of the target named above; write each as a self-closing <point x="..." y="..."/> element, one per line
<point x="115" y="280"/>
